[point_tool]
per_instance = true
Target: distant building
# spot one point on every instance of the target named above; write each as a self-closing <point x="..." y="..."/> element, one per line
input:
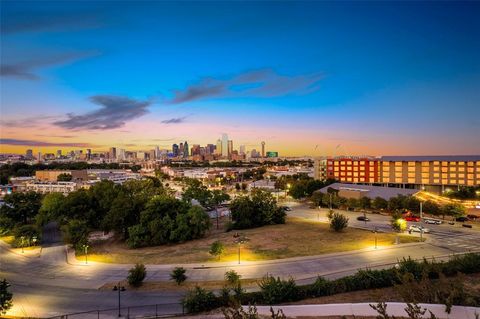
<point x="112" y="153"/>
<point x="52" y="187"/>
<point x="175" y="150"/>
<point x="224" y="145"/>
<point x="263" y="149"/>
<point x="230" y="147"/>
<point x="218" y="148"/>
<point x="242" y="150"/>
<point x="59" y="153"/>
<point x="29" y="154"/>
<point x="185" y="150"/>
<point x="272" y="154"/>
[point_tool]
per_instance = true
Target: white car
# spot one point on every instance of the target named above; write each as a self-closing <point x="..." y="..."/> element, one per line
<point x="432" y="221"/>
<point x="418" y="229"/>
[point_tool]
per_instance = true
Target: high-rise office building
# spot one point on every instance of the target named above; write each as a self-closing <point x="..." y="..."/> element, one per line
<point x="29" y="154"/>
<point x="39" y="157"/>
<point x="89" y="154"/>
<point x="59" y="153"/>
<point x="180" y="150"/>
<point x="151" y="155"/>
<point x="218" y="148"/>
<point x="230" y="147"/>
<point x="112" y="154"/>
<point x="263" y="149"/>
<point x="210" y="149"/>
<point x="121" y="154"/>
<point x="224" y="145"/>
<point x="185" y="149"/>
<point x="242" y="149"/>
<point x="157" y="152"/>
<point x="175" y="150"/>
<point x="195" y="149"/>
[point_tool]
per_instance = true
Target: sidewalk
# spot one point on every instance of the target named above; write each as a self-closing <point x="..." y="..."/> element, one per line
<point x="396" y="309"/>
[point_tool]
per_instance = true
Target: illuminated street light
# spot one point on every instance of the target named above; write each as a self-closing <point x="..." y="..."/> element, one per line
<point x="22" y="238"/>
<point x="119" y="289"/>
<point x="85" y="250"/>
<point x="375" y="232"/>
<point x="239" y="239"/>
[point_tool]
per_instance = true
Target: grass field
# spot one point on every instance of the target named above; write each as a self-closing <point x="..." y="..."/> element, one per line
<point x="298" y="237"/>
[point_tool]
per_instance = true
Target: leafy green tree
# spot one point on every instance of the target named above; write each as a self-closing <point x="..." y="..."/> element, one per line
<point x="338" y="222"/>
<point x="397" y="222"/>
<point x="216" y="198"/>
<point x="136" y="275"/>
<point x="5" y="297"/>
<point x="232" y="277"/>
<point x="317" y="198"/>
<point x="454" y="210"/>
<point x="256" y="210"/>
<point x="64" y="177"/>
<point x="379" y="203"/>
<point x="432" y="208"/>
<point x="364" y="203"/>
<point x="52" y="208"/>
<point x="352" y="203"/>
<point x="76" y="233"/>
<point x="217" y="248"/>
<point x="178" y="275"/>
<point x="21" y="207"/>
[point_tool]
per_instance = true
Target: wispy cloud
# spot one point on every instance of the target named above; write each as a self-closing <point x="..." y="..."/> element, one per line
<point x="257" y="83"/>
<point x="59" y="136"/>
<point x="175" y="120"/>
<point x="41" y="21"/>
<point x="11" y="141"/>
<point x="115" y="111"/>
<point x="25" y="69"/>
<point x="30" y="121"/>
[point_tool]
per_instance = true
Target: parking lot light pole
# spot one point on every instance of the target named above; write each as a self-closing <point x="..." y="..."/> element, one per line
<point x="375" y="231"/>
<point x="22" y="238"/>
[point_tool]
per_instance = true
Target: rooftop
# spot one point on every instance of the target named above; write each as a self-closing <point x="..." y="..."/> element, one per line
<point x="372" y="191"/>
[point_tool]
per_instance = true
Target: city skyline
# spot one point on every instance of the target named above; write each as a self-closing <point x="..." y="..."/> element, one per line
<point x="313" y="78"/>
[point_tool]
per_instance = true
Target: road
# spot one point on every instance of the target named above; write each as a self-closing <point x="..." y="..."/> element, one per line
<point x="50" y="283"/>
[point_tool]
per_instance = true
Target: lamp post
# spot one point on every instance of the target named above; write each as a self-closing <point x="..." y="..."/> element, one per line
<point x="85" y="250"/>
<point x="34" y="240"/>
<point x="375" y="232"/>
<point x="239" y="239"/>
<point x="286" y="191"/>
<point x="119" y="288"/>
<point x="22" y="238"/>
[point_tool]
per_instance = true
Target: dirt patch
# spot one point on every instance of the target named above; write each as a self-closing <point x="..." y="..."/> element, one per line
<point x="298" y="237"/>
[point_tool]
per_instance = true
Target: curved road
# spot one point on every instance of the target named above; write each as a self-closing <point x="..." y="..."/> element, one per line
<point x="52" y="283"/>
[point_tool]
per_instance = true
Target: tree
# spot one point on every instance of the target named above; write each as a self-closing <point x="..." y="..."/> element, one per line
<point x="232" y="278"/>
<point x="379" y="203"/>
<point x="397" y="222"/>
<point x="454" y="210"/>
<point x="256" y="210"/>
<point x="338" y="222"/>
<point x="317" y="198"/>
<point x="432" y="208"/>
<point x="216" y="198"/>
<point x="64" y="177"/>
<point x="76" y="233"/>
<point x="5" y="297"/>
<point x="178" y="275"/>
<point x="217" y="249"/>
<point x="136" y="275"/>
<point x="51" y="208"/>
<point x="21" y="207"/>
<point x="364" y="203"/>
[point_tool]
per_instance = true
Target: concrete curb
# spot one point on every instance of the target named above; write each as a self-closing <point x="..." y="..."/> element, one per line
<point x="396" y="309"/>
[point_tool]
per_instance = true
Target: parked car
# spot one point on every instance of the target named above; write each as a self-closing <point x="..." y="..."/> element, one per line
<point x="415" y="228"/>
<point x="363" y="218"/>
<point x="462" y="219"/>
<point x="412" y="219"/>
<point x="287" y="208"/>
<point x="432" y="221"/>
<point x="473" y="217"/>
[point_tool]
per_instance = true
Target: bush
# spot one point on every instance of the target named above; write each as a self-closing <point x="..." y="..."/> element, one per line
<point x="275" y="290"/>
<point x="198" y="300"/>
<point x="28" y="232"/>
<point x="338" y="222"/>
<point x="136" y="275"/>
<point x="178" y="275"/>
<point x="217" y="249"/>
<point x="232" y="277"/>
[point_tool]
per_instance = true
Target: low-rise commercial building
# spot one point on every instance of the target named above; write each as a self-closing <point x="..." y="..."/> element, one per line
<point x="52" y="187"/>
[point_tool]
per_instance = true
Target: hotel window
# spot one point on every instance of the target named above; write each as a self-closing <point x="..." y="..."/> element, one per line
<point x="452" y="175"/>
<point x="436" y="163"/>
<point x="337" y="169"/>
<point x="362" y="162"/>
<point x="470" y="176"/>
<point x="444" y="169"/>
<point x="436" y="181"/>
<point x="349" y="173"/>
<point x="425" y="169"/>
<point x="425" y="175"/>
<point x="444" y="181"/>
<point x="355" y="174"/>
<point x="355" y="180"/>
<point x="336" y="163"/>
<point x="355" y="169"/>
<point x="444" y="163"/>
<point x="436" y="175"/>
<point x="461" y="169"/>
<point x="425" y="181"/>
<point x="470" y="170"/>
<point x="461" y="175"/>
<point x="470" y="163"/>
<point x="411" y="175"/>
<point x="411" y="180"/>
<point x="425" y="164"/>
<point x="362" y="168"/>
<point x="470" y="182"/>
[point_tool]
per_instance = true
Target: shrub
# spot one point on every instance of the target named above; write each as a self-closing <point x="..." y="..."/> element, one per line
<point x="321" y="287"/>
<point x="275" y="290"/>
<point x="136" y="275"/>
<point x="198" y="300"/>
<point x="338" y="222"/>
<point x="217" y="249"/>
<point x="178" y="275"/>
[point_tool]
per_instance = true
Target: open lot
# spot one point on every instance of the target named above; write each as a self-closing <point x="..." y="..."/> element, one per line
<point x="298" y="237"/>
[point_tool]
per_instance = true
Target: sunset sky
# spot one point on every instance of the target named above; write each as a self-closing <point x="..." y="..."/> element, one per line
<point x="309" y="78"/>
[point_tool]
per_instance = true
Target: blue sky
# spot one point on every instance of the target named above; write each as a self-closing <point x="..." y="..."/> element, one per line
<point x="375" y="77"/>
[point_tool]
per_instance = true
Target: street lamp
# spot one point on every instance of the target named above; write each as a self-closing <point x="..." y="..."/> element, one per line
<point x="34" y="240"/>
<point x="239" y="239"/>
<point x="85" y="250"/>
<point x="286" y="191"/>
<point x="22" y="238"/>
<point x="375" y="232"/>
<point x="119" y="289"/>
